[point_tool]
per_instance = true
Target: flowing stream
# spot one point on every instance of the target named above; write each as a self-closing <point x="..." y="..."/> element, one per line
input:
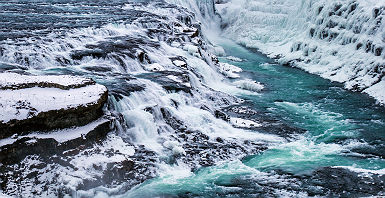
<point x="316" y="138"/>
<point x="341" y="131"/>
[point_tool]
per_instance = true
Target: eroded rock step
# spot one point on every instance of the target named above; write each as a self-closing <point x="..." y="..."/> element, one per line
<point x="13" y="149"/>
<point x="41" y="103"/>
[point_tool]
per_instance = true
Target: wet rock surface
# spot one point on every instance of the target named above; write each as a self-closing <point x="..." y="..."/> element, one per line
<point x="171" y="80"/>
<point x="340" y="182"/>
<point x="200" y="149"/>
<point x="268" y="123"/>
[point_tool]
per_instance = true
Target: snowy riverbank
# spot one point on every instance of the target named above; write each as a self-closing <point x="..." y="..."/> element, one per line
<point x="339" y="40"/>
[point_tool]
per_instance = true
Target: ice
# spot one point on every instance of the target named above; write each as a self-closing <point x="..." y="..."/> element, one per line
<point x="179" y="63"/>
<point x="339" y="40"/>
<point x="250" y="85"/>
<point x="377" y="91"/>
<point x="155" y="67"/>
<point x="235" y="59"/>
<point x="229" y="70"/>
<point x="192" y="49"/>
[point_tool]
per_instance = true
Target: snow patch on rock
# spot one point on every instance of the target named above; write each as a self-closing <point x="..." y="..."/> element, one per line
<point x="154" y="67"/>
<point x="229" y="70"/>
<point x="26" y="103"/>
<point x="243" y="123"/>
<point x="10" y="80"/>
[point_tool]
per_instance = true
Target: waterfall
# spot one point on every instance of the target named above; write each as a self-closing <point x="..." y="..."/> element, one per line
<point x="339" y="40"/>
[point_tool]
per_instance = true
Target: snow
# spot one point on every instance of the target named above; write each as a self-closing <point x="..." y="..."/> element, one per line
<point x="217" y="50"/>
<point x="179" y="63"/>
<point x="239" y="122"/>
<point x="175" y="44"/>
<point x="338" y="40"/>
<point x="174" y="78"/>
<point x="8" y="79"/>
<point x="154" y="67"/>
<point x="377" y="91"/>
<point x="96" y="157"/>
<point x="61" y="135"/>
<point x="26" y="103"/>
<point x="70" y="133"/>
<point x="229" y="70"/>
<point x="4" y="195"/>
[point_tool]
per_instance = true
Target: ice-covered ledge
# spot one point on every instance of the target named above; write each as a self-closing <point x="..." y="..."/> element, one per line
<point x="41" y="103"/>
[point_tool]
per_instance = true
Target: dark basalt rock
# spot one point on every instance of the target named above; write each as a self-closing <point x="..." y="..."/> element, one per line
<point x="340" y="182"/>
<point x="48" y="155"/>
<point x="125" y="88"/>
<point x="121" y="45"/>
<point x="180" y="58"/>
<point x="13" y="153"/>
<point x="269" y="124"/>
<point x="169" y="84"/>
<point x="221" y="115"/>
<point x="200" y="150"/>
<point x="98" y="69"/>
<point x="55" y="119"/>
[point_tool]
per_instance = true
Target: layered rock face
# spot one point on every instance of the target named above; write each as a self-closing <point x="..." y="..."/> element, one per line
<point x="42" y="103"/>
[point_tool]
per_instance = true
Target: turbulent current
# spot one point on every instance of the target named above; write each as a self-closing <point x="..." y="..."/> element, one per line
<point x="196" y="109"/>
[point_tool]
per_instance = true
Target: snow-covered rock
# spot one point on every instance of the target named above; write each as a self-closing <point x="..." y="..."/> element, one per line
<point x="14" y="81"/>
<point x="155" y="67"/>
<point x="243" y="123"/>
<point x="217" y="50"/>
<point x="180" y="63"/>
<point x="47" y="102"/>
<point x="229" y="70"/>
<point x="14" y="148"/>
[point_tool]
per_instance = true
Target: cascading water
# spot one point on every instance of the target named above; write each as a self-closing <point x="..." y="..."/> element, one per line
<point x="186" y="124"/>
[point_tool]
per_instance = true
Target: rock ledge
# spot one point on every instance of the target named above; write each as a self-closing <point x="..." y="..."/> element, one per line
<point x="41" y="103"/>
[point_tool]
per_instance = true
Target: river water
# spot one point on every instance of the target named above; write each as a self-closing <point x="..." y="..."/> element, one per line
<point x="334" y="142"/>
<point x="343" y="130"/>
